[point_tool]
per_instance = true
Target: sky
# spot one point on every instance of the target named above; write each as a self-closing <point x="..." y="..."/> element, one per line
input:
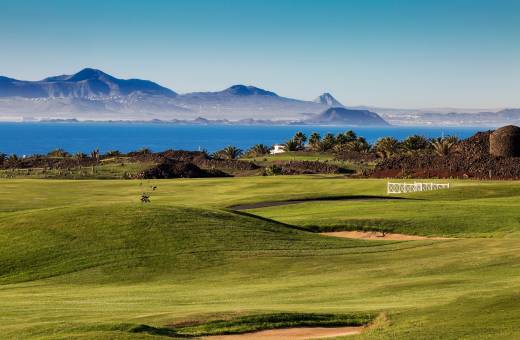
<point x="385" y="53"/>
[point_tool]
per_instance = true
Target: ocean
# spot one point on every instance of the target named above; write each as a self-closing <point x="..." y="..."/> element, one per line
<point x="40" y="138"/>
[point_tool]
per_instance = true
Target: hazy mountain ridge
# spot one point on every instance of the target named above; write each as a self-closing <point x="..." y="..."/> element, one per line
<point x="484" y="118"/>
<point x="86" y="84"/>
<point x="92" y="94"/>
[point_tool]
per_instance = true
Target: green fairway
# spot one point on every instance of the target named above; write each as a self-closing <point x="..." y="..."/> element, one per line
<point x="86" y="259"/>
<point x="466" y="210"/>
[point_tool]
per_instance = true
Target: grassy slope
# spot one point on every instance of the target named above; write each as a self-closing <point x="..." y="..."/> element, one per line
<point x="486" y="210"/>
<point x="103" y="260"/>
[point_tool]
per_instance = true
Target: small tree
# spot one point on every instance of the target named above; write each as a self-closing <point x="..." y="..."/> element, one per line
<point x="291" y="145"/>
<point x="328" y="142"/>
<point x="314" y="141"/>
<point x="12" y="161"/>
<point x="112" y="153"/>
<point x="386" y="147"/>
<point x="258" y="150"/>
<point x="79" y="156"/>
<point x="273" y="170"/>
<point x="144" y="151"/>
<point x="359" y="145"/>
<point x="94" y="154"/>
<point x="58" y="153"/>
<point x="229" y="152"/>
<point x="444" y="146"/>
<point x="346" y="137"/>
<point x="300" y="138"/>
<point x="415" y="143"/>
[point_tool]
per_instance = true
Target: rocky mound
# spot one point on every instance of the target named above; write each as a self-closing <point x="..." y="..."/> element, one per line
<point x="505" y="142"/>
<point x="177" y="155"/>
<point x="227" y="164"/>
<point x="476" y="146"/>
<point x="470" y="158"/>
<point x="308" y="167"/>
<point x="47" y="162"/>
<point x="177" y="169"/>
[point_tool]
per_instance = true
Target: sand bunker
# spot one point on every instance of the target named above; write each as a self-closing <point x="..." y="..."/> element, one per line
<point x="303" y="333"/>
<point x="372" y="235"/>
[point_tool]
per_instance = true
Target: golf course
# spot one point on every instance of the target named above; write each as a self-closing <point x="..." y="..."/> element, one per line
<point x="87" y="259"/>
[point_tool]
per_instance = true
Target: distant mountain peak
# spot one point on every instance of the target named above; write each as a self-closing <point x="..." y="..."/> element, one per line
<point x="329" y="100"/>
<point x="84" y="74"/>
<point x="88" y="74"/>
<point x="344" y="116"/>
<point x="243" y="90"/>
<point x="85" y="84"/>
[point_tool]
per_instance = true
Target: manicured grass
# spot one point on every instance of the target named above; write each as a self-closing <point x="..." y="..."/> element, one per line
<point x="466" y="210"/>
<point x="85" y="259"/>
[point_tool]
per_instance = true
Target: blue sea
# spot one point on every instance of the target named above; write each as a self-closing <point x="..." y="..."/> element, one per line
<point x="40" y="138"/>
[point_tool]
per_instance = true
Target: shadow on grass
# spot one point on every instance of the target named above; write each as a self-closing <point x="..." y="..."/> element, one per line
<point x="254" y="323"/>
<point x="248" y="206"/>
<point x="265" y="219"/>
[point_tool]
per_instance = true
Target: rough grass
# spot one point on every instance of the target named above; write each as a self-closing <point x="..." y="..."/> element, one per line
<point x="294" y="156"/>
<point x="84" y="259"/>
<point x="104" y="170"/>
<point x="268" y="160"/>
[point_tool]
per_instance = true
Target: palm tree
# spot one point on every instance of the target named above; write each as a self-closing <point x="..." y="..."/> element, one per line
<point x="415" y="143"/>
<point x="358" y="145"/>
<point x="112" y="153"/>
<point x="144" y="151"/>
<point x="387" y="147"/>
<point x="258" y="150"/>
<point x="314" y="141"/>
<point x="94" y="154"/>
<point x="58" y="153"/>
<point x="300" y="139"/>
<point x="80" y="155"/>
<point x="12" y="161"/>
<point x="3" y="157"/>
<point x="444" y="146"/>
<point x="291" y="145"/>
<point x="328" y="142"/>
<point x="230" y="152"/>
<point x="346" y="137"/>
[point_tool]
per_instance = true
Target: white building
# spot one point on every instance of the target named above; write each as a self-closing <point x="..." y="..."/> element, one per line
<point x="277" y="148"/>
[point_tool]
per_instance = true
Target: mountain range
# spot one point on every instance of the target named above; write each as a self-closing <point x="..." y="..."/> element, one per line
<point x="92" y="94"/>
<point x="95" y="95"/>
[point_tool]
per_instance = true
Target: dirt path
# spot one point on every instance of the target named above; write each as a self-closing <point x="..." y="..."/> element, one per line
<point x="372" y="235"/>
<point x="303" y="333"/>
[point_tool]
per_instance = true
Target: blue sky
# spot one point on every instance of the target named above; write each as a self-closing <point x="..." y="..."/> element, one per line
<point x="393" y="53"/>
